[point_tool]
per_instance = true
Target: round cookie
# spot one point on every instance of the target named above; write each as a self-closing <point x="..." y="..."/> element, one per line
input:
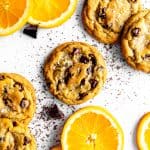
<point x="105" y="19"/>
<point x="75" y="72"/>
<point x="17" y="97"/>
<point x="136" y="41"/>
<point x="14" y="136"/>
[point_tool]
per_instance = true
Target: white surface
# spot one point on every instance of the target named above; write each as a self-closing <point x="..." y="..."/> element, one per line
<point x="125" y="94"/>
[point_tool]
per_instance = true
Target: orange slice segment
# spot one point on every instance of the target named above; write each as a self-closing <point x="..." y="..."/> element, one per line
<point x="143" y="133"/>
<point x="51" y="13"/>
<point x="92" y="128"/>
<point x="13" y="15"/>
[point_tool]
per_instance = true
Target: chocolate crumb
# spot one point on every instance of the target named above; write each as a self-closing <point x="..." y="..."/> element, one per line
<point x="31" y="30"/>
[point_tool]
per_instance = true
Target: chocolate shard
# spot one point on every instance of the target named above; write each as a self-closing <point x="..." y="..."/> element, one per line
<point x="31" y="30"/>
<point x="55" y="112"/>
<point x="26" y="140"/>
<point x="84" y="59"/>
<point x="135" y="32"/>
<point x="93" y="83"/>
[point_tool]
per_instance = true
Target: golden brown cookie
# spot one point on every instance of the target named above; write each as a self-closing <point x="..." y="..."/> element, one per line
<point x="14" y="136"/>
<point x="17" y="97"/>
<point x="57" y="147"/>
<point x="136" y="41"/>
<point x="75" y="72"/>
<point x="105" y="19"/>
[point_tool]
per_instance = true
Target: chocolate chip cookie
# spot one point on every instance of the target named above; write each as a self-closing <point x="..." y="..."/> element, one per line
<point x="136" y="41"/>
<point x="14" y="136"/>
<point x="17" y="98"/>
<point x="75" y="72"/>
<point x="105" y="19"/>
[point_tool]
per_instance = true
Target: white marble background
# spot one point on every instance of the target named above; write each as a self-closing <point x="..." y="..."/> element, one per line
<point x="125" y="94"/>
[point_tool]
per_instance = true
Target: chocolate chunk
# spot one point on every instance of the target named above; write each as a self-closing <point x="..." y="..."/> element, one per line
<point x="31" y="30"/>
<point x="7" y="101"/>
<point x="93" y="59"/>
<point x="24" y="103"/>
<point x="90" y="70"/>
<point x="2" y="77"/>
<point x="14" y="123"/>
<point x="26" y="140"/>
<point x="82" y="82"/>
<point x="68" y="75"/>
<point x="84" y="59"/>
<point x="2" y="139"/>
<point x="19" y="85"/>
<point x="75" y="51"/>
<point x="135" y="32"/>
<point x="102" y="13"/>
<point x="93" y="83"/>
<point x="147" y="57"/>
<point x="55" y="113"/>
<point x="82" y="95"/>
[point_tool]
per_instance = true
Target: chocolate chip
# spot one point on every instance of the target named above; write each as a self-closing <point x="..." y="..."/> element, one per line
<point x="93" y="83"/>
<point x="93" y="59"/>
<point x="84" y="59"/>
<point x="31" y="30"/>
<point x="82" y="95"/>
<point x="82" y="82"/>
<point x="2" y="77"/>
<point x="90" y="70"/>
<point x="68" y="75"/>
<point x="7" y="101"/>
<point x="24" y="103"/>
<point x="135" y="31"/>
<point x="2" y="139"/>
<point x="26" y="140"/>
<point x="102" y="13"/>
<point x="19" y="85"/>
<point x="14" y="123"/>
<point x="55" y="113"/>
<point x="75" y="51"/>
<point x="133" y="0"/>
<point x="147" y="57"/>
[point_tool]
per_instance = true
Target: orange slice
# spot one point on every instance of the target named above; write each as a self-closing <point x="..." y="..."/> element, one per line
<point x="13" y="15"/>
<point x="143" y="133"/>
<point x="92" y="128"/>
<point x="51" y="13"/>
<point x="57" y="147"/>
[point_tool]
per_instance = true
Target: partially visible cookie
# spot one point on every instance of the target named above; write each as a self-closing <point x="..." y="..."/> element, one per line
<point x="75" y="72"/>
<point x="105" y="19"/>
<point x="57" y="147"/>
<point x="136" y="41"/>
<point x="17" y="98"/>
<point x="14" y="136"/>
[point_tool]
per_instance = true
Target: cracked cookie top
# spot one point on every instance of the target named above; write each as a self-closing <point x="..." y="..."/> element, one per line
<point x="136" y="41"/>
<point x="75" y="72"/>
<point x="104" y="19"/>
<point x="14" y="136"/>
<point x="17" y="98"/>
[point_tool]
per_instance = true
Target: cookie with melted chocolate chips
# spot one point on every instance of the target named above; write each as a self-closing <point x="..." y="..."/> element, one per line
<point x="73" y="72"/>
<point x="105" y="19"/>
<point x="136" y="41"/>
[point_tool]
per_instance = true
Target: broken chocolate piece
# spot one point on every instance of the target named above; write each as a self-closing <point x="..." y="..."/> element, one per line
<point x="135" y="32"/>
<point x="26" y="140"/>
<point x="14" y="123"/>
<point x="84" y="59"/>
<point x="24" y="103"/>
<point x="55" y="113"/>
<point x="82" y="82"/>
<point x="93" y="83"/>
<point x="67" y="75"/>
<point x="31" y="30"/>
